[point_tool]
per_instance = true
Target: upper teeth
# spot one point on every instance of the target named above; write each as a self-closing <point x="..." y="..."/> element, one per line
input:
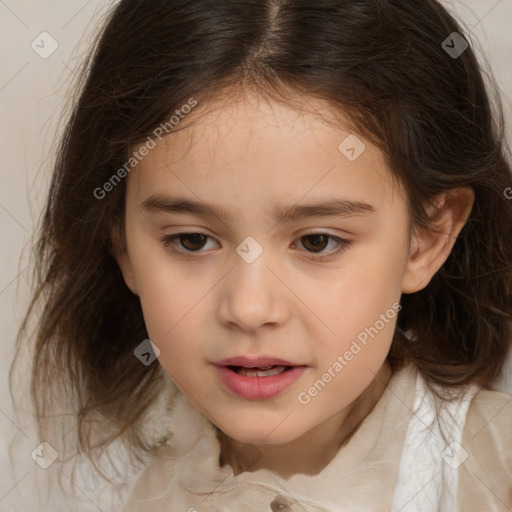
<point x="261" y="372"/>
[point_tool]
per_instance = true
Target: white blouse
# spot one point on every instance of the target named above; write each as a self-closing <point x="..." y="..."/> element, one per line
<point x="399" y="459"/>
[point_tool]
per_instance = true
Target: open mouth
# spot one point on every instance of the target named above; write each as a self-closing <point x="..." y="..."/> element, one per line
<point x="250" y="381"/>
<point x="260" y="372"/>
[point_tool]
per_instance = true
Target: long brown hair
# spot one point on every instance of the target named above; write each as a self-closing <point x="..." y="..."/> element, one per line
<point x="383" y="64"/>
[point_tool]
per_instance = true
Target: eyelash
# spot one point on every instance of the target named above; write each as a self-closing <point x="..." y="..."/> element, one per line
<point x="169" y="240"/>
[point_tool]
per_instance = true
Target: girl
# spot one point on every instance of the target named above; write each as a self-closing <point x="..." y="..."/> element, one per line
<point x="276" y="262"/>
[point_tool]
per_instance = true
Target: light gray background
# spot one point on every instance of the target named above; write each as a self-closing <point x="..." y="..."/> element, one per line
<point x="33" y="91"/>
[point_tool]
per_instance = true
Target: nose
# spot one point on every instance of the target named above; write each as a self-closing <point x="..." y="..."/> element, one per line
<point x="253" y="295"/>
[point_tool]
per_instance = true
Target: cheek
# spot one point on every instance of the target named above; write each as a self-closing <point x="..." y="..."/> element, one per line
<point x="169" y="317"/>
<point x="172" y="301"/>
<point x="162" y="289"/>
<point x="166" y="305"/>
<point x="362" y="308"/>
<point x="369" y="284"/>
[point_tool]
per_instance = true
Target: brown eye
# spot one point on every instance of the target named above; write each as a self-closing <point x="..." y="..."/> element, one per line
<point x="316" y="242"/>
<point x="193" y="241"/>
<point x="185" y="242"/>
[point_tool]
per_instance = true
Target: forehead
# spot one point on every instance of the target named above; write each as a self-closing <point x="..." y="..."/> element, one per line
<point x="251" y="151"/>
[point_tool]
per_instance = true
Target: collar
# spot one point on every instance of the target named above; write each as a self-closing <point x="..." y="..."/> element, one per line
<point x="184" y="473"/>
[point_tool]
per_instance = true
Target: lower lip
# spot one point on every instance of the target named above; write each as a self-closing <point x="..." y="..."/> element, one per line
<point x="259" y="388"/>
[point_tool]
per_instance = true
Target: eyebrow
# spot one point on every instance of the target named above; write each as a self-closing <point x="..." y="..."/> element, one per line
<point x="329" y="208"/>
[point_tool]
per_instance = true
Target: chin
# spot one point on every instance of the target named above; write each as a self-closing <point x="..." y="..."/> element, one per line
<point x="260" y="434"/>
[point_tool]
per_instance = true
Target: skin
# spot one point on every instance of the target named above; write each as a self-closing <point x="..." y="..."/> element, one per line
<point x="246" y="155"/>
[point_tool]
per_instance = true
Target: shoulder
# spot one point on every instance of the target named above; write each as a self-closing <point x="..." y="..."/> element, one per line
<point x="485" y="472"/>
<point x="489" y="421"/>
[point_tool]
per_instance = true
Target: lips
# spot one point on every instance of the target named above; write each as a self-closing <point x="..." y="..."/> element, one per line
<point x="258" y="378"/>
<point x="255" y="362"/>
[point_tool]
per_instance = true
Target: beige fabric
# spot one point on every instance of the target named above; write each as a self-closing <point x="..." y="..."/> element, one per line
<point x="186" y="476"/>
<point x="485" y="478"/>
<point x="428" y="476"/>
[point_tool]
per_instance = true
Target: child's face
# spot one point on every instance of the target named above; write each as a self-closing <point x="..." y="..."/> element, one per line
<point x="223" y="299"/>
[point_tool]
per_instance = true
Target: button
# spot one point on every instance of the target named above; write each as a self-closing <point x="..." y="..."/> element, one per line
<point x="280" y="504"/>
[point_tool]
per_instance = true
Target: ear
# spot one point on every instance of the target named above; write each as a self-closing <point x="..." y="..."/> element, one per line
<point x="430" y="247"/>
<point x="122" y="257"/>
